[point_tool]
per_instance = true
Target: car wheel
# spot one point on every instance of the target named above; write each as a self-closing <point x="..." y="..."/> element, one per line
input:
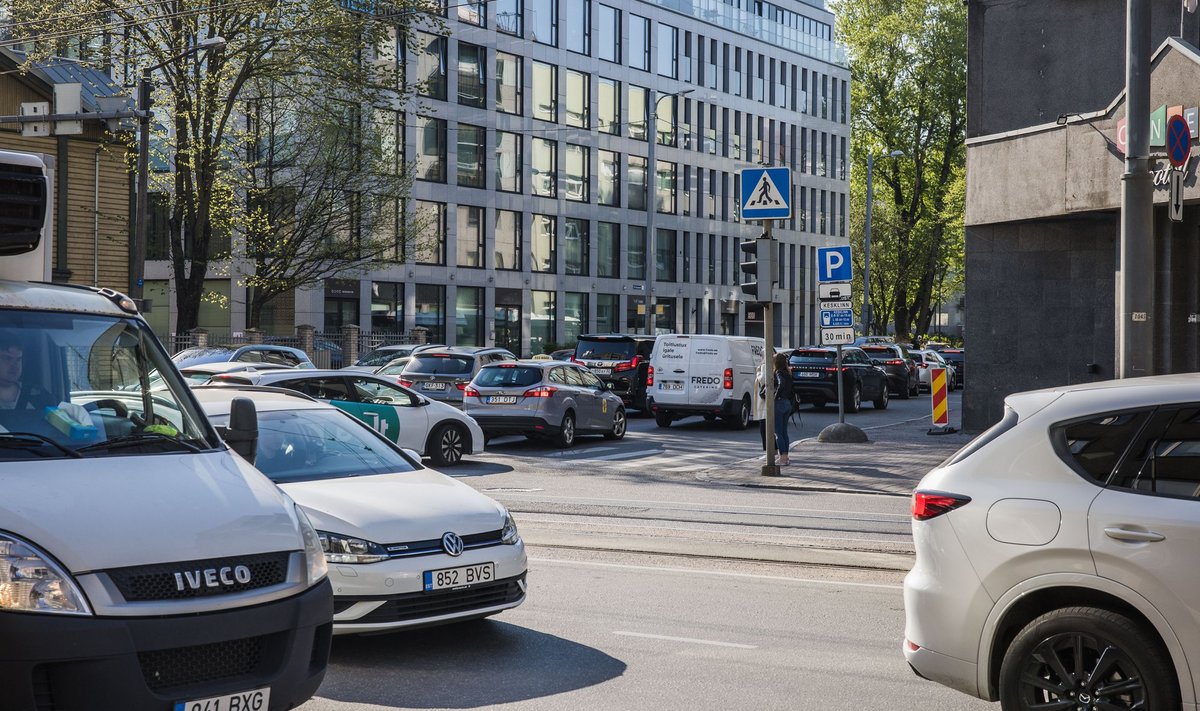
<point x="854" y="403"/>
<point x="662" y="419"/>
<point x="741" y="420"/>
<point x="904" y="391"/>
<point x="881" y="402"/>
<point x="447" y="445"/>
<point x="620" y="424"/>
<point x="915" y="390"/>
<point x="819" y="404"/>
<point x="566" y="431"/>
<point x="1086" y="657"/>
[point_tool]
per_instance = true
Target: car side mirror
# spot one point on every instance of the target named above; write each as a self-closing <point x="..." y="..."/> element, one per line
<point x="242" y="433"/>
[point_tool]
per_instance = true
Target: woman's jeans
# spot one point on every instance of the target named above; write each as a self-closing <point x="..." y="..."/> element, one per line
<point x="783" y="411"/>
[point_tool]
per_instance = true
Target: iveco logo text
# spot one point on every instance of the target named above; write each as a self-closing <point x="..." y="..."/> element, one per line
<point x="212" y="577"/>
<point x="705" y="380"/>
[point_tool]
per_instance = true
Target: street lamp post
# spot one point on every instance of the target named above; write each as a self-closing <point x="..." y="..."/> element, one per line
<point x="651" y="252"/>
<point x="138" y="271"/>
<point x="866" y="297"/>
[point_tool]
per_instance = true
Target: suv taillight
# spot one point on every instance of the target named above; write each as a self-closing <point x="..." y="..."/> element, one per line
<point x="727" y="382"/>
<point x="631" y="365"/>
<point x="931" y="504"/>
<point x="543" y="391"/>
<point x="406" y="383"/>
<point x="650" y="377"/>
<point x="469" y="391"/>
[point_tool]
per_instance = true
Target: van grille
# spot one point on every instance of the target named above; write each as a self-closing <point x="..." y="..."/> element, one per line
<point x="184" y="666"/>
<point x="185" y="580"/>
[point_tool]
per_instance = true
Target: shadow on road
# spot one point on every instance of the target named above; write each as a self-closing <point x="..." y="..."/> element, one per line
<point x="462" y="666"/>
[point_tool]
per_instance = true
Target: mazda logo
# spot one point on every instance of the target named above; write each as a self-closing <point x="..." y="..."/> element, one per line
<point x="452" y="543"/>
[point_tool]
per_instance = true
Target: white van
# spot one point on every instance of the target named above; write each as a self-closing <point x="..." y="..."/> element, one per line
<point x="704" y="375"/>
<point x="143" y="565"/>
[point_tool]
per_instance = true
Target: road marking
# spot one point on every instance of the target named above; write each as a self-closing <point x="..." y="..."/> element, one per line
<point x="623" y="455"/>
<point x="527" y="518"/>
<point x="714" y="508"/>
<point x="691" y="640"/>
<point x="717" y="573"/>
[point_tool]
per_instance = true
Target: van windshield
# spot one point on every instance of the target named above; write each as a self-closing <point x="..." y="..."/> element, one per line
<point x="85" y="385"/>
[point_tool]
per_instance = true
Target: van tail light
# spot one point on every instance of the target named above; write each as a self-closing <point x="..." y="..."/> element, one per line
<point x="931" y="504"/>
<point x="469" y="391"/>
<point x="543" y="391"/>
<point x="461" y="386"/>
<point x="631" y="365"/>
<point x="727" y="382"/>
<point x="650" y="377"/>
<point x="406" y="383"/>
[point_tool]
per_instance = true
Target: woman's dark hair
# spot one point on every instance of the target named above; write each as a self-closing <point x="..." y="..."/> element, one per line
<point x="781" y="363"/>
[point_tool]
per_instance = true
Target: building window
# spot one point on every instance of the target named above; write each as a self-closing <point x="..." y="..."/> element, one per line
<point x="508" y="322"/>
<point x="578" y="99"/>
<point x="508" y="162"/>
<point x="639" y="42"/>
<point x="578" y="172"/>
<point x="608" y="34"/>
<point x="431" y="311"/>
<point x="544" y="244"/>
<point x="608" y="192"/>
<point x="635" y="251"/>
<point x="543" y="16"/>
<point x="664" y="255"/>
<point x="508" y="83"/>
<point x="635" y="314"/>
<point x="638" y="112"/>
<point x="472" y="75"/>
<point x="387" y="307"/>
<point x="575" y="242"/>
<point x="508" y="240"/>
<point x="430" y="247"/>
<point x="471" y="156"/>
<point x="575" y="316"/>
<point x="545" y="92"/>
<point x="468" y="316"/>
<point x="668" y="51"/>
<point x="635" y="180"/>
<point x="665" y="188"/>
<point x="577" y="32"/>
<point x="608" y="309"/>
<point x="508" y="17"/>
<point x="608" y="250"/>
<point x="542" y="320"/>
<point x="431" y="66"/>
<point x="664" y="120"/>
<point x="431" y="150"/>
<point x="472" y="12"/>
<point x="608" y="110"/>
<point x="545" y="167"/>
<point x="470" y="236"/>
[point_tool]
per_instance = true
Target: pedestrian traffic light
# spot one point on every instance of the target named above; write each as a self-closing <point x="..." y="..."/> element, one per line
<point x="759" y="268"/>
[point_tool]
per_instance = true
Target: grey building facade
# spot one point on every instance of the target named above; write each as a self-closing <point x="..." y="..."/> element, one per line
<point x="1044" y="164"/>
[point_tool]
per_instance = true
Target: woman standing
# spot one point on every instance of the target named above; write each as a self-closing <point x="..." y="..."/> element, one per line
<point x="783" y="406"/>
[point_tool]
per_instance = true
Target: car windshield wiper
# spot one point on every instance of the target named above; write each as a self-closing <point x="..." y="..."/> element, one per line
<point x="32" y="439"/>
<point x="138" y="438"/>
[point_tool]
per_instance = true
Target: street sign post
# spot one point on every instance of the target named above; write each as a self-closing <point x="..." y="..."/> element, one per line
<point x="834" y="291"/>
<point x="1179" y="141"/>
<point x="766" y="193"/>
<point x="833" y="264"/>
<point x="836" y="318"/>
<point x="837" y="336"/>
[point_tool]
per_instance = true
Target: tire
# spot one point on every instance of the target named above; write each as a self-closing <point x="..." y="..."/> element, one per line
<point x="741" y="420"/>
<point x="620" y="425"/>
<point x="448" y="444"/>
<point x="1135" y="658"/>
<point x="915" y="391"/>
<point x="566" y="431"/>
<point x="662" y="419"/>
<point x="854" y="403"/>
<point x="819" y="404"/>
<point x="881" y="402"/>
<point x="904" y="392"/>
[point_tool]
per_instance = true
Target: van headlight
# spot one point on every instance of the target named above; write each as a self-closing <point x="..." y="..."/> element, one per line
<point x="508" y="534"/>
<point x="30" y="581"/>
<point x="314" y="557"/>
<point x="346" y="549"/>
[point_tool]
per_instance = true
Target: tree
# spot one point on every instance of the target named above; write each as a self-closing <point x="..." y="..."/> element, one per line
<point x="315" y="51"/>
<point x="908" y="59"/>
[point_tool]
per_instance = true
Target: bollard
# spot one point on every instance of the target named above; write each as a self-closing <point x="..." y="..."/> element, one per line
<point x="941" y="408"/>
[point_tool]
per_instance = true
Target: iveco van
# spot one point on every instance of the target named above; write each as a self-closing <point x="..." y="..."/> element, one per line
<point x="704" y="375"/>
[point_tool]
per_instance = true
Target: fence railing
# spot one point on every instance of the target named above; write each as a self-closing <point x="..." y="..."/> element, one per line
<point x="325" y="350"/>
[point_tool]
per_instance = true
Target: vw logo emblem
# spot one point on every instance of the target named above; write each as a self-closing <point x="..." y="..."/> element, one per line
<point x="452" y="543"/>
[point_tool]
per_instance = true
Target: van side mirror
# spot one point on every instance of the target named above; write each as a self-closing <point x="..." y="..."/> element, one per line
<point x="242" y="433"/>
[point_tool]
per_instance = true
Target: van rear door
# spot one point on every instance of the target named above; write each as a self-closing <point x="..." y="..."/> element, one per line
<point x="706" y="371"/>
<point x="670" y="362"/>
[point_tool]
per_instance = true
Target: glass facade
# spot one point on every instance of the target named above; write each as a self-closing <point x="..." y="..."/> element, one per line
<point x="468" y="316"/>
<point x="472" y="75"/>
<point x="431" y="66"/>
<point x="608" y="34"/>
<point x="469" y="236"/>
<point x="608" y="313"/>
<point x="431" y="150"/>
<point x="508" y="17"/>
<point x="668" y="51"/>
<point x="608" y="106"/>
<point x="430" y="247"/>
<point x="635" y="183"/>
<point x="608" y="250"/>
<point x="608" y="175"/>
<point x="544" y="244"/>
<point x="578" y="99"/>
<point x="575" y="316"/>
<point x="577" y="29"/>
<point x="639" y="112"/>
<point x="431" y="311"/>
<point x="576" y="246"/>
<point x="544" y="167"/>
<point x="542" y="320"/>
<point x="543" y="21"/>
<point x="664" y="255"/>
<point x="508" y="240"/>
<point x="508" y="83"/>
<point x="471" y="156"/>
<point x="635" y="252"/>
<point x="665" y="187"/>
<point x="508" y="162"/>
<point x="387" y="307"/>
<point x="545" y="92"/>
<point x="576" y="172"/>
<point x="639" y="42"/>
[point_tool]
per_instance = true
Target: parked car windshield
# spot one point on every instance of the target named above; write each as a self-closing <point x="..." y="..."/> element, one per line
<point x="440" y="364"/>
<point x="199" y="355"/>
<point x="811" y="357"/>
<point x="306" y="445"/>
<point x="505" y="377"/>
<point x="605" y="350"/>
<point x="382" y="356"/>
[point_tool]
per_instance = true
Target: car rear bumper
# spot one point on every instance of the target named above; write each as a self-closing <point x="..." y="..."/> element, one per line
<point x="498" y="425"/>
<point x="727" y="408"/>
<point x="813" y="392"/>
<point x="946" y="670"/>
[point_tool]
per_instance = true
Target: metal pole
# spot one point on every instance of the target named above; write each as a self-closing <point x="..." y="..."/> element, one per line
<point x="841" y="388"/>
<point x="138" y="269"/>
<point x="866" y="298"/>
<point x="768" y="291"/>
<point x="1135" y="328"/>
<point x="652" y="209"/>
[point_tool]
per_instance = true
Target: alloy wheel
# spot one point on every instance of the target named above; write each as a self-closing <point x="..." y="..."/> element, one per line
<point x="1076" y="671"/>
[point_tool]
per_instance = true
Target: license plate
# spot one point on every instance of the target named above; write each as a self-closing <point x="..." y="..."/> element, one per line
<point x="256" y="700"/>
<point x="459" y="577"/>
<point x="433" y="386"/>
<point x="502" y="400"/>
<point x="803" y="374"/>
<point x="664" y="385"/>
<point x="602" y="371"/>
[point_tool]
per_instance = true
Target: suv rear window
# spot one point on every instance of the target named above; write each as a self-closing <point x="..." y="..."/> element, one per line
<point x="503" y="377"/>
<point x="879" y="351"/>
<point x="606" y="350"/>
<point x="810" y="357"/>
<point x="440" y="365"/>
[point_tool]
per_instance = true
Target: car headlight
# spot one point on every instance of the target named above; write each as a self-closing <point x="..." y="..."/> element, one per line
<point x="508" y="534"/>
<point x="30" y="581"/>
<point x="314" y="557"/>
<point x="344" y="549"/>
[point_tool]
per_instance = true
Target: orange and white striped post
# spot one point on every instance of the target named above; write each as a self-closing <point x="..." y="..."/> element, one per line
<point x="941" y="409"/>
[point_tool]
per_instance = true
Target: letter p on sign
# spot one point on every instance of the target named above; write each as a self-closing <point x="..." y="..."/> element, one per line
<point x="833" y="264"/>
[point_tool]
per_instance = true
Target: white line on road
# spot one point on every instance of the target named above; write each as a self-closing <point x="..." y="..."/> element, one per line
<point x="719" y="573"/>
<point x="623" y="455"/>
<point x="735" y="645"/>
<point x="709" y="508"/>
<point x="527" y="518"/>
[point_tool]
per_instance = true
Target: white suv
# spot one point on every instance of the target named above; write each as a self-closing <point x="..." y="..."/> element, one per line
<point x="1057" y="559"/>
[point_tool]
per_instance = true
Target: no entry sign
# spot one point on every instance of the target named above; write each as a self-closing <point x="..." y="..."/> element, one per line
<point x="1179" y="141"/>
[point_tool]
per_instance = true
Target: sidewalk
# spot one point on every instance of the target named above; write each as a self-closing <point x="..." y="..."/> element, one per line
<point x="891" y="463"/>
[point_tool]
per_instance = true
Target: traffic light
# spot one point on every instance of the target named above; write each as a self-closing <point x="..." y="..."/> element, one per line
<point x="759" y="268"/>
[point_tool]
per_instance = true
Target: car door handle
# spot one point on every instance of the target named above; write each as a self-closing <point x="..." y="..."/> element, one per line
<point x="1125" y="534"/>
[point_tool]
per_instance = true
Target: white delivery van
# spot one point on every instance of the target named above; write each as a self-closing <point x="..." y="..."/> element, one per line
<point x="704" y="375"/>
<point x="143" y="565"/>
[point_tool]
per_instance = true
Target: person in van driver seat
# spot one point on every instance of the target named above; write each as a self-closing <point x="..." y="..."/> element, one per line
<point x="13" y="394"/>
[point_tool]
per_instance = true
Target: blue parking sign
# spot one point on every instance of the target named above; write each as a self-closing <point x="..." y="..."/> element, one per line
<point x="833" y="264"/>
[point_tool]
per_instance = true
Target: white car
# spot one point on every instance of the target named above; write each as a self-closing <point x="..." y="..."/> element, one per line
<point x="406" y="546"/>
<point x="1056" y="561"/>
<point x="200" y="373"/>
<point x="431" y="428"/>
<point x="926" y="361"/>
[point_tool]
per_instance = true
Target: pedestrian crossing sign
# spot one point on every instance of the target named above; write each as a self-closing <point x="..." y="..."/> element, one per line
<point x="766" y="193"/>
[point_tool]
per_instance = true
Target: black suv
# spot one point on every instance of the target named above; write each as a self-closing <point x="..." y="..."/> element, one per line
<point x="814" y="377"/>
<point x="621" y="359"/>
<point x="956" y="357"/>
<point x="903" y="377"/>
